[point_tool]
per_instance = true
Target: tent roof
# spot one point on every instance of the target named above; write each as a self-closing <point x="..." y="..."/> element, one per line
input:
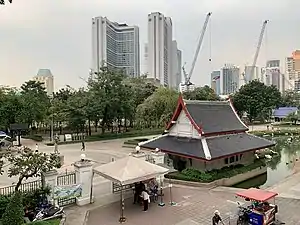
<point x="129" y="170"/>
<point x="257" y="194"/>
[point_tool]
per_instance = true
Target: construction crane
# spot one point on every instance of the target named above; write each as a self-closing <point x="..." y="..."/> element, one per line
<point x="187" y="76"/>
<point x="261" y="36"/>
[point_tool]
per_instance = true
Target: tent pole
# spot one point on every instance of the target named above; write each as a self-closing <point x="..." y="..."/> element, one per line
<point x="122" y="218"/>
<point x="161" y="194"/>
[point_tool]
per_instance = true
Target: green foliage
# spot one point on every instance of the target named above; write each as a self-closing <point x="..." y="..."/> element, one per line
<point x="30" y="164"/>
<point x="30" y="199"/>
<point x="35" y="137"/>
<point x="47" y="222"/>
<point x="191" y="174"/>
<point x="157" y="109"/>
<point x="201" y="93"/>
<point x="14" y="213"/>
<point x="292" y="117"/>
<point x="256" y="100"/>
<point x="276" y="133"/>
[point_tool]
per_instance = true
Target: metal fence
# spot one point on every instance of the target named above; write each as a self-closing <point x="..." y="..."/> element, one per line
<point x="66" y="179"/>
<point x="25" y="187"/>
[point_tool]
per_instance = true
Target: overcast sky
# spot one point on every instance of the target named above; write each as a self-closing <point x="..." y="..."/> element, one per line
<point x="56" y="34"/>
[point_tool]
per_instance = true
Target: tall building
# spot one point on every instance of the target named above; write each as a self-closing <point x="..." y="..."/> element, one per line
<point x="271" y="75"/>
<point x="159" y="48"/>
<point x="175" y="75"/>
<point x="45" y="77"/>
<point x="116" y="46"/>
<point x="292" y="71"/>
<point x="216" y="81"/>
<point x="230" y="78"/>
<point x="251" y="73"/>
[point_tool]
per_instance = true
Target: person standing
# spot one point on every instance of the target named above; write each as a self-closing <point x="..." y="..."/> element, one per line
<point x="82" y="145"/>
<point x="146" y="200"/>
<point x="217" y="218"/>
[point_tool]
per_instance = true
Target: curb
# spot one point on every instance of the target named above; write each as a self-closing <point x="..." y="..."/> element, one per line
<point x="86" y="218"/>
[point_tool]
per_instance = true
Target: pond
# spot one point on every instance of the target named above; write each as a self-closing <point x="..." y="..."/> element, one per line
<point x="280" y="166"/>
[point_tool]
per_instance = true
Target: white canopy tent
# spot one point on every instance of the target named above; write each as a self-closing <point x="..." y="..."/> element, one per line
<point x="129" y="170"/>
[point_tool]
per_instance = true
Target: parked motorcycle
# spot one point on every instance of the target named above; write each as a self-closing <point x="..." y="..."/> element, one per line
<point x="51" y="211"/>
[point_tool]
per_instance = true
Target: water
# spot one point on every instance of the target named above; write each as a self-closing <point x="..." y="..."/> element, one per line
<point x="281" y="166"/>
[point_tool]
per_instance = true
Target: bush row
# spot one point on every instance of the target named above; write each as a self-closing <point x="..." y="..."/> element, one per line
<point x="111" y="136"/>
<point x="281" y="132"/>
<point x="191" y="174"/>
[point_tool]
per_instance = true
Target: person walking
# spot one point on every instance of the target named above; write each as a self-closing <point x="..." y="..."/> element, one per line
<point x="217" y="218"/>
<point x="146" y="200"/>
<point x="82" y="146"/>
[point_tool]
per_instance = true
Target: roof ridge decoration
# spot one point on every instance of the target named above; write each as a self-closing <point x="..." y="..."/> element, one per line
<point x="181" y="105"/>
<point x="233" y="109"/>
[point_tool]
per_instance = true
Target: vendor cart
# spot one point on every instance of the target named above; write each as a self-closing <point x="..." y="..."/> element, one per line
<point x="259" y="211"/>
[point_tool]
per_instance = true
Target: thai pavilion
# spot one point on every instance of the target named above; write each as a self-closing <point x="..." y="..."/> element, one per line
<point x="207" y="135"/>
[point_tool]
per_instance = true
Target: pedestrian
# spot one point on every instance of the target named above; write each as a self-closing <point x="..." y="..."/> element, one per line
<point x="217" y="218"/>
<point x="82" y="146"/>
<point x="137" y="192"/>
<point x="36" y="148"/>
<point x="146" y="200"/>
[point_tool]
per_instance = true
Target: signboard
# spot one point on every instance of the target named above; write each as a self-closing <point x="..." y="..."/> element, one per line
<point x="69" y="191"/>
<point x="68" y="137"/>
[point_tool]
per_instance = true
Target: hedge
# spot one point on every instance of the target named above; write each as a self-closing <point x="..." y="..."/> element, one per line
<point x="281" y="132"/>
<point x="47" y="222"/>
<point x="111" y="136"/>
<point x="191" y="174"/>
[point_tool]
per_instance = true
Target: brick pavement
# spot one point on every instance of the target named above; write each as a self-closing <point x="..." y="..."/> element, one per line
<point x="195" y="206"/>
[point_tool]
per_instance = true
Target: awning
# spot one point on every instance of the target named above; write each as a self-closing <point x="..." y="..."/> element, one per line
<point x="129" y="170"/>
<point x="257" y="194"/>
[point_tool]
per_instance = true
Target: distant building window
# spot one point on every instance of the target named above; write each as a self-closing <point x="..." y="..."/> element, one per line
<point x="231" y="159"/>
<point x="226" y="160"/>
<point x="149" y="20"/>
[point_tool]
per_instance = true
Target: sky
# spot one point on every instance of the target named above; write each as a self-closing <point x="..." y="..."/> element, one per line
<point x="56" y="34"/>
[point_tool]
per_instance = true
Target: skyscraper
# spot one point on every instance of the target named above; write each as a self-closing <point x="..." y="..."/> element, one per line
<point x="271" y="75"/>
<point x="175" y="73"/>
<point x="230" y="79"/>
<point x="116" y="46"/>
<point x="216" y="81"/>
<point x="159" y="48"/>
<point x="293" y="71"/>
<point x="45" y="77"/>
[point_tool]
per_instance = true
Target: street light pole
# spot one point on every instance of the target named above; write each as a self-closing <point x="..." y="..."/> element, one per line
<point x="52" y="121"/>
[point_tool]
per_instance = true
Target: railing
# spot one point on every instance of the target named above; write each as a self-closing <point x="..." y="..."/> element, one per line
<point x="25" y="187"/>
<point x="66" y="179"/>
<point x="117" y="187"/>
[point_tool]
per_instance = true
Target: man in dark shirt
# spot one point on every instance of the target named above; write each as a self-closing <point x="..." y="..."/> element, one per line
<point x="217" y="218"/>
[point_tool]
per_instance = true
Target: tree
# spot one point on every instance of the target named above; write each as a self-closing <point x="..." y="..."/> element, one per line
<point x="290" y="98"/>
<point x="157" y="109"/>
<point x="292" y="117"/>
<point x="35" y="102"/>
<point x="30" y="164"/>
<point x="201" y="93"/>
<point x="256" y="100"/>
<point x="14" y="213"/>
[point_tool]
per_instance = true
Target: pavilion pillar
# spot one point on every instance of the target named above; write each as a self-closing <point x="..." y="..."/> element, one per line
<point x="84" y="176"/>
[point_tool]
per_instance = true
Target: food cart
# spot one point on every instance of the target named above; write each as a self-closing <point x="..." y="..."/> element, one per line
<point x="260" y="211"/>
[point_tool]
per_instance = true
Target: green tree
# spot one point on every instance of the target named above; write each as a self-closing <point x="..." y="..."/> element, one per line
<point x="14" y="213"/>
<point x="35" y="102"/>
<point x="157" y="109"/>
<point x="292" y="117"/>
<point x="30" y="164"/>
<point x="201" y="93"/>
<point x="290" y="98"/>
<point x="256" y="100"/>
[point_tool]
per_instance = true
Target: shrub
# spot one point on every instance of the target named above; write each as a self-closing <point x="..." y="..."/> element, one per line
<point x="4" y="200"/>
<point x="14" y="213"/>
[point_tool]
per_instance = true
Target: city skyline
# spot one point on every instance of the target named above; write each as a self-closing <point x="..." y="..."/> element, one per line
<point x="63" y="42"/>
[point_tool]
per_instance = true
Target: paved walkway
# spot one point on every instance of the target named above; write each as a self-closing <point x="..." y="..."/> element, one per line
<point x="194" y="206"/>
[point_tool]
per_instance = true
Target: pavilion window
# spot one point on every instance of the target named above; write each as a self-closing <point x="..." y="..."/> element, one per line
<point x="236" y="158"/>
<point x="231" y="159"/>
<point x="241" y="156"/>
<point x="226" y="160"/>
